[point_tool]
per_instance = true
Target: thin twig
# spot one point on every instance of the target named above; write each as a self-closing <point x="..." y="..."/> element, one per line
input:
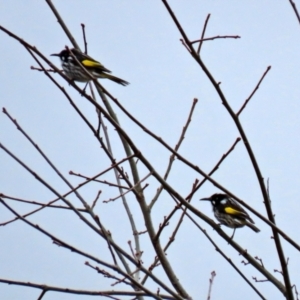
<point x="68" y="193"/>
<point x="216" y="37"/>
<point x="104" y="263"/>
<point x="167" y="219"/>
<point x="100" y="181"/>
<point x="39" y="203"/>
<point x="295" y="10"/>
<point x="108" y="149"/>
<point x="203" y="33"/>
<point x="43" y="293"/>
<point x="253" y="92"/>
<point x="62" y="24"/>
<point x="96" y="199"/>
<point x="211" y="281"/>
<point x="215" y="168"/>
<point x="80" y="292"/>
<point x="128" y="190"/>
<point x="296" y="292"/>
<point x="172" y="157"/>
<point x="84" y="38"/>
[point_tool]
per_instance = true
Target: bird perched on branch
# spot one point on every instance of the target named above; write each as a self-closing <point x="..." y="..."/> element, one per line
<point x="228" y="212"/>
<point x="75" y="72"/>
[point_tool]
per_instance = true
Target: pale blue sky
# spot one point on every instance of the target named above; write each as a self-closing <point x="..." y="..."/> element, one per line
<point x="139" y="42"/>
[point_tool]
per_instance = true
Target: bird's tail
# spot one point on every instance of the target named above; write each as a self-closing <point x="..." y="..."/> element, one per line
<point x="253" y="227"/>
<point x="115" y="79"/>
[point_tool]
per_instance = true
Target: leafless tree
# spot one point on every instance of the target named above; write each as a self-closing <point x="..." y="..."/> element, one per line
<point x="125" y="268"/>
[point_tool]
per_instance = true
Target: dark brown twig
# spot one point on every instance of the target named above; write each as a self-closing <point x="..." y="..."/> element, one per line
<point x="203" y="33"/>
<point x="172" y="157"/>
<point x="185" y="45"/>
<point x="96" y="199"/>
<point x="216" y="37"/>
<point x="68" y="193"/>
<point x="128" y="190"/>
<point x="80" y="292"/>
<point x="296" y="292"/>
<point x="253" y="92"/>
<point x="39" y="204"/>
<point x="100" y="181"/>
<point x="62" y="24"/>
<point x="295" y="10"/>
<point x="211" y="281"/>
<point x="84" y="38"/>
<point x="43" y="293"/>
<point x="215" y="168"/>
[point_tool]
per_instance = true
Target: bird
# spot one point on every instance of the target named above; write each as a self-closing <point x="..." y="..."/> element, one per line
<point x="229" y="213"/>
<point x="73" y="70"/>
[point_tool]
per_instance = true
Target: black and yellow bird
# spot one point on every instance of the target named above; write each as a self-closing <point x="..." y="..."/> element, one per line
<point x="73" y="70"/>
<point x="228" y="212"/>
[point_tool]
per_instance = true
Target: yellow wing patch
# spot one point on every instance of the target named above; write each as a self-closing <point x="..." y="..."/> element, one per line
<point x="90" y="63"/>
<point x="232" y="211"/>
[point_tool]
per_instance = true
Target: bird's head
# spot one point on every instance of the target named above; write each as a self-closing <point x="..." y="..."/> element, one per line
<point x="216" y="199"/>
<point x="63" y="55"/>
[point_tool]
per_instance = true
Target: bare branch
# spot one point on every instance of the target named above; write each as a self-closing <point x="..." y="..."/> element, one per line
<point x="84" y="38"/>
<point x="62" y="24"/>
<point x="203" y="33"/>
<point x="128" y="190"/>
<point x="44" y="287"/>
<point x="216" y="37"/>
<point x="253" y="92"/>
<point x="96" y="199"/>
<point x="68" y="193"/>
<point x="172" y="157"/>
<point x="295" y="10"/>
<point x="211" y="281"/>
<point x="113" y="267"/>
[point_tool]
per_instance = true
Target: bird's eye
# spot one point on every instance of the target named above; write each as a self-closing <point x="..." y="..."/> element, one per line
<point x="223" y="201"/>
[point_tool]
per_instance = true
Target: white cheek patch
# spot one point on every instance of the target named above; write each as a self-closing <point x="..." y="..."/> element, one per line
<point x="224" y="201"/>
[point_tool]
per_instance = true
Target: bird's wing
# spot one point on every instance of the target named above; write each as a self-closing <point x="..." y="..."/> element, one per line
<point x="232" y="211"/>
<point x="94" y="64"/>
<point x="89" y="62"/>
<point x="237" y="210"/>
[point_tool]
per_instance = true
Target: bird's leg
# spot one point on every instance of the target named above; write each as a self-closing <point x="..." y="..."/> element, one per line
<point x="83" y="91"/>
<point x="233" y="234"/>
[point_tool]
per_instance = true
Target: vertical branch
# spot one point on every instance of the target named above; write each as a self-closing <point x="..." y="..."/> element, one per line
<point x="211" y="281"/>
<point x="84" y="38"/>
<point x="203" y="33"/>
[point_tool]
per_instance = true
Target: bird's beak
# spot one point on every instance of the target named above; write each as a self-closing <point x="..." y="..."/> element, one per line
<point x="205" y="199"/>
<point x="55" y="54"/>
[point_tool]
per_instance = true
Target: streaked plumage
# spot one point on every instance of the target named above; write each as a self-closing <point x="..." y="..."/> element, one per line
<point x="228" y="212"/>
<point x="75" y="72"/>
